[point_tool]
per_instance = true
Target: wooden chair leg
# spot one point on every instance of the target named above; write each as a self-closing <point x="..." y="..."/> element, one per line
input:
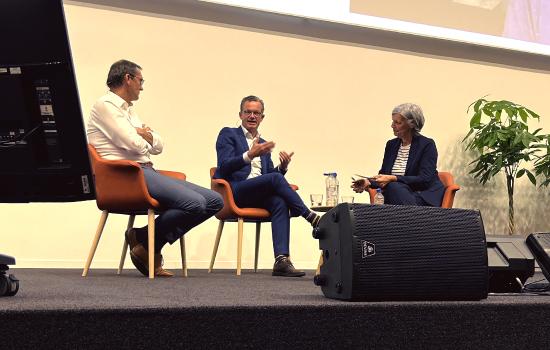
<point x="216" y="245"/>
<point x="240" y="245"/>
<point x="320" y="264"/>
<point x="95" y="242"/>
<point x="258" y="227"/>
<point x="151" y="241"/>
<point x="183" y="256"/>
<point x="125" y="245"/>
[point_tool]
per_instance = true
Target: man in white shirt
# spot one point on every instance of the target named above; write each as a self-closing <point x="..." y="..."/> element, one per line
<point x="116" y="132"/>
<point x="244" y="160"/>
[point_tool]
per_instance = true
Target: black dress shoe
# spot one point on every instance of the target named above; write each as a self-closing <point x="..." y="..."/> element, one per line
<point x="283" y="267"/>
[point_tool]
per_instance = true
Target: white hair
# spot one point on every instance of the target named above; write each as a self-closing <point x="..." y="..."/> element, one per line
<point x="413" y="115"/>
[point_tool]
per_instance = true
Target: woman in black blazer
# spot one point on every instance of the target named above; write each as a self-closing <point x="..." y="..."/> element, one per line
<point x="408" y="175"/>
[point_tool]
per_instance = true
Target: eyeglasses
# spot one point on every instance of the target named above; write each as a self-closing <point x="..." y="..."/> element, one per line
<point x="249" y="113"/>
<point x="141" y="80"/>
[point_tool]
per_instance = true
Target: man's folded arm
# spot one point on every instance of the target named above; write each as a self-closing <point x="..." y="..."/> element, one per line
<point x="115" y="126"/>
<point x="158" y="145"/>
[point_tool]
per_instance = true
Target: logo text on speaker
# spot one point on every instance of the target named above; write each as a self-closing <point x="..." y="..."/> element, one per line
<point x="367" y="249"/>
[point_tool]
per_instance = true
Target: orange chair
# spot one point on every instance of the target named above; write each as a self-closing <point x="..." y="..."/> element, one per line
<point x="450" y="190"/>
<point x="232" y="213"/>
<point x="121" y="189"/>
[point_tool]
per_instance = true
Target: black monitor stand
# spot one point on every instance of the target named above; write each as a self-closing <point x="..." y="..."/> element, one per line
<point x="9" y="285"/>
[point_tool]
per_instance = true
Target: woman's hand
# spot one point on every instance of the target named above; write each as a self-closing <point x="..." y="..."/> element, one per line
<point x="360" y="185"/>
<point x="382" y="180"/>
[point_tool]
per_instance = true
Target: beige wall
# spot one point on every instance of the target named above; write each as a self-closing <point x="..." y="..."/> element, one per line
<point x="329" y="102"/>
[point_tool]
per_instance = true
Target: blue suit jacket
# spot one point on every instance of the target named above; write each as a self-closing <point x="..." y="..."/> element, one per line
<point x="421" y="173"/>
<point x="230" y="146"/>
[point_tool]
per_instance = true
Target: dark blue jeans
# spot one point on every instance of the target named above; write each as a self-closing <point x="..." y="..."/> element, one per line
<point x="401" y="194"/>
<point x="272" y="192"/>
<point x="185" y="204"/>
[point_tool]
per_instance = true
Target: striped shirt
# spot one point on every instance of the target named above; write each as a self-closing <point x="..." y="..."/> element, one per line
<point x="401" y="161"/>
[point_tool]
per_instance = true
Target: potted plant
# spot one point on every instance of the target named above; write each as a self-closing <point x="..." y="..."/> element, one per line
<point x="499" y="132"/>
<point x="542" y="164"/>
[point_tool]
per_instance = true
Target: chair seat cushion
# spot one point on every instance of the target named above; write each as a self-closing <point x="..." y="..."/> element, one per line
<point x="245" y="213"/>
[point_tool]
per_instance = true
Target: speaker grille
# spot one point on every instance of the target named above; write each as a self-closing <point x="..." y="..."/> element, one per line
<point x="418" y="253"/>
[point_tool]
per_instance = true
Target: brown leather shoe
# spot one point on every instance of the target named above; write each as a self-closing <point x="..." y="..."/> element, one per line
<point x="140" y="258"/>
<point x="159" y="271"/>
<point x="131" y="238"/>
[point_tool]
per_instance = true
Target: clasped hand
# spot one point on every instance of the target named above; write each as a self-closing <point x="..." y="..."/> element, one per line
<point x="382" y="181"/>
<point x="145" y="133"/>
<point x="360" y="185"/>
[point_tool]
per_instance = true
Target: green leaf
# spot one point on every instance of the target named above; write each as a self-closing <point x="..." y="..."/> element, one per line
<point x="469" y="133"/>
<point x="523" y="115"/>
<point x="477" y="104"/>
<point x="525" y="140"/>
<point x="476" y="119"/>
<point x="533" y="114"/>
<point x="520" y="173"/>
<point x="531" y="177"/>
<point x="497" y="115"/>
<point x="487" y="110"/>
<point x="498" y="163"/>
<point x="517" y="139"/>
<point x="501" y="135"/>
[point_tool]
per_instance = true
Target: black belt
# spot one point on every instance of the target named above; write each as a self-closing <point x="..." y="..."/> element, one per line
<point x="147" y="165"/>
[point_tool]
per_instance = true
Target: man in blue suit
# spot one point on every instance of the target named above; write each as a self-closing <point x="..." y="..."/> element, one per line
<point x="244" y="160"/>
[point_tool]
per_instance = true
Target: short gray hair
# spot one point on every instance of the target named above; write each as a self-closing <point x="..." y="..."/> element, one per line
<point x="251" y="98"/>
<point x="118" y="70"/>
<point x="413" y="115"/>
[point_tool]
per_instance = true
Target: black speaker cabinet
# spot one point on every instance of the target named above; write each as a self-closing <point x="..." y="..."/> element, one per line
<point x="391" y="252"/>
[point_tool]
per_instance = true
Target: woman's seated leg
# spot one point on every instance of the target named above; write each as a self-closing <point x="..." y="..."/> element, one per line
<point x="399" y="193"/>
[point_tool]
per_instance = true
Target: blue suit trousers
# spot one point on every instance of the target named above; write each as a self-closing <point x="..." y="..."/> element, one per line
<point x="273" y="193"/>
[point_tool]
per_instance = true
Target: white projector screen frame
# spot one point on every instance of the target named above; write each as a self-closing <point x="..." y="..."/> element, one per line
<point x="338" y="11"/>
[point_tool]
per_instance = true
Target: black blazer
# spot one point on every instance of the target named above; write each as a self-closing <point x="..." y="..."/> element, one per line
<point x="230" y="146"/>
<point x="420" y="173"/>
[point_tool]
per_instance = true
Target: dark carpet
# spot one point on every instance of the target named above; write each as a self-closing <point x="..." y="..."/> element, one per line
<point x="60" y="309"/>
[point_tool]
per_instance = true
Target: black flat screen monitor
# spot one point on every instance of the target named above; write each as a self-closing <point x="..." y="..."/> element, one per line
<point x="43" y="154"/>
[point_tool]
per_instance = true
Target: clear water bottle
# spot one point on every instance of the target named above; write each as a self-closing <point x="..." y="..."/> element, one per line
<point x="332" y="189"/>
<point x="378" y="197"/>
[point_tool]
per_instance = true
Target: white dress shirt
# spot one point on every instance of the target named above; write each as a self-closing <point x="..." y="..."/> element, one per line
<point x="256" y="163"/>
<point x="112" y="131"/>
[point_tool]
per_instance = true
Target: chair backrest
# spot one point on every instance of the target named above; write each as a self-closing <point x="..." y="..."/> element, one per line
<point x="450" y="189"/>
<point x="120" y="184"/>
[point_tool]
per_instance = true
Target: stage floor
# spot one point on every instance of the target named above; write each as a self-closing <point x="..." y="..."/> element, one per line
<point x="61" y="309"/>
<point x="65" y="289"/>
